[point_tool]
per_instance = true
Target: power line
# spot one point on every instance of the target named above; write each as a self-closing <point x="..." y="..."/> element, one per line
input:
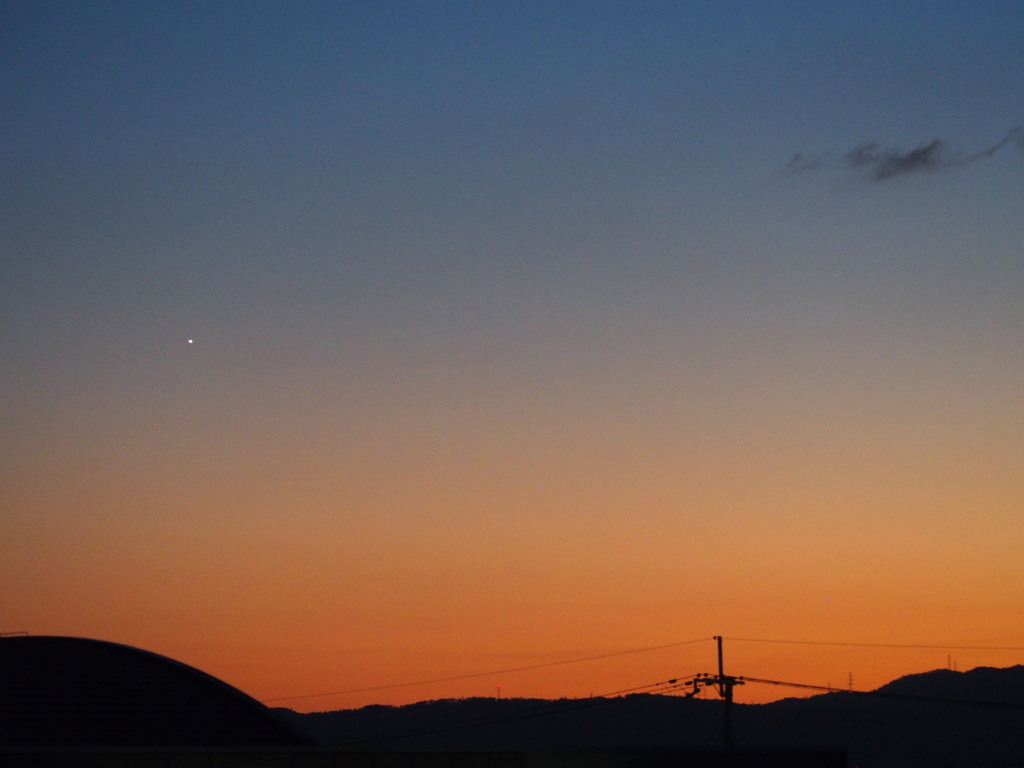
<point x="480" y="722"/>
<point x="544" y="665"/>
<point x="487" y="674"/>
<point x="890" y="695"/>
<point x="666" y="685"/>
<point x="881" y="645"/>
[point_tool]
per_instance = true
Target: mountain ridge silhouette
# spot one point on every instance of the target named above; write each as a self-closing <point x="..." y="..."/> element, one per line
<point x="937" y="718"/>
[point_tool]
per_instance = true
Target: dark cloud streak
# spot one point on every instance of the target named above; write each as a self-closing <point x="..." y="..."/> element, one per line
<point x="882" y="164"/>
<point x="930" y="157"/>
<point x="1015" y="136"/>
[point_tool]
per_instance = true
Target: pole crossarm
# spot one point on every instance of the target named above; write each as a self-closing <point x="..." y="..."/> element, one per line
<point x="720" y="683"/>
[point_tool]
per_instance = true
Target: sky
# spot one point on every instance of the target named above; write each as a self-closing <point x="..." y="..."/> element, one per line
<point x="351" y="345"/>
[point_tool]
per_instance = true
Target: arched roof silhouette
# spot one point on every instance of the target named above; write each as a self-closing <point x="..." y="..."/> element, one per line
<point x="75" y="692"/>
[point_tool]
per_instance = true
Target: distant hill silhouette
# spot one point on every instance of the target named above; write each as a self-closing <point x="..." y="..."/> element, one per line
<point x="940" y="718"/>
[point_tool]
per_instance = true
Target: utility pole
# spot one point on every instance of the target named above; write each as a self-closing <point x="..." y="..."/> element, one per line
<point x="725" y="686"/>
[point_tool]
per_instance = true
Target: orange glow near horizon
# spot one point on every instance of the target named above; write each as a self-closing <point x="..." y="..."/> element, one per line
<point x="279" y="622"/>
<point x="427" y="574"/>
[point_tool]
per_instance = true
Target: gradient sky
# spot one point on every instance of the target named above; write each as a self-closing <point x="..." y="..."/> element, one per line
<point x="352" y="344"/>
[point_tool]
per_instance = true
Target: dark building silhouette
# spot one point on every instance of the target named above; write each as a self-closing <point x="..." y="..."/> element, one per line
<point x="66" y="692"/>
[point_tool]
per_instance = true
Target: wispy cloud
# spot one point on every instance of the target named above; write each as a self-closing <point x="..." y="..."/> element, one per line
<point x="883" y="163"/>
